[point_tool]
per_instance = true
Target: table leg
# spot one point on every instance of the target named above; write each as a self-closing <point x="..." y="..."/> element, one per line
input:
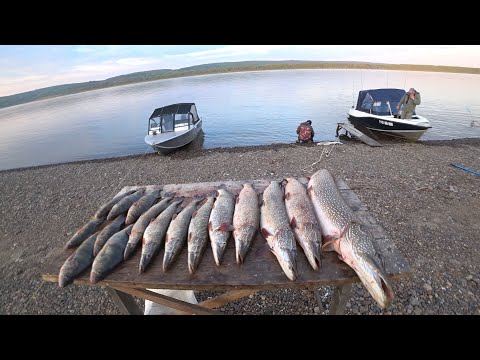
<point x="125" y="302"/>
<point x="340" y="296"/>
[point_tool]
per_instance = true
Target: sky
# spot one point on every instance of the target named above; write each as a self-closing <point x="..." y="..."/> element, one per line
<point x="30" y="67"/>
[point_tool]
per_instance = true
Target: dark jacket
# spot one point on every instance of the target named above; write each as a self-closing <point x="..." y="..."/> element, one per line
<point x="303" y="130"/>
<point x="409" y="104"/>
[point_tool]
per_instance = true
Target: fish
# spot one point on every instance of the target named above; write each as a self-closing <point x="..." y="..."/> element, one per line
<point x="110" y="256"/>
<point x="105" y="208"/>
<point x="246" y="219"/>
<point x="303" y="221"/>
<point x="142" y="223"/>
<point x="107" y="232"/>
<point x="141" y="205"/>
<point x="84" y="232"/>
<point x="220" y="223"/>
<point x="351" y="240"/>
<point x="77" y="262"/>
<point x="275" y="228"/>
<point x="331" y="210"/>
<point x="198" y="234"/>
<point x="124" y="204"/>
<point x="154" y="235"/>
<point x="177" y="234"/>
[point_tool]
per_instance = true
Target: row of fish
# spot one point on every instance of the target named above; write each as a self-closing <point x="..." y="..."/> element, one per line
<point x="317" y="217"/>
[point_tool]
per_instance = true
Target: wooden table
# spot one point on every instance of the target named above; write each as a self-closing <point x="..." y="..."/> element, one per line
<point x="260" y="271"/>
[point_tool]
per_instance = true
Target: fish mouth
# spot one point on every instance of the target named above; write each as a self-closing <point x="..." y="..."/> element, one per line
<point x="377" y="285"/>
<point x="144" y="261"/>
<point x="193" y="262"/>
<point x="168" y="260"/>
<point x="94" y="278"/>
<point x="218" y="250"/>
<point x="288" y="263"/>
<point x="64" y="281"/>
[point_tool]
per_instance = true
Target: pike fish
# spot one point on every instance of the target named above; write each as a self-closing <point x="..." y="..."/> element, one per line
<point x="246" y="218"/>
<point x="141" y="205"/>
<point x="110" y="256"/>
<point x="303" y="221"/>
<point x="155" y="233"/>
<point x="84" y="232"/>
<point x="344" y="234"/>
<point x="177" y="234"/>
<point x="107" y="232"/>
<point x="105" y="208"/>
<point x="220" y="223"/>
<point x="124" y="204"/>
<point x="142" y="223"/>
<point x="77" y="262"/>
<point x="276" y="229"/>
<point x="198" y="234"/>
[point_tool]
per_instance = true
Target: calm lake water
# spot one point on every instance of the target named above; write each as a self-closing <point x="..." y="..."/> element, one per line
<point x="239" y="109"/>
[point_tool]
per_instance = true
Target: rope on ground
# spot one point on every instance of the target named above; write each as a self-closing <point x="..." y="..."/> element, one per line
<point x="321" y="155"/>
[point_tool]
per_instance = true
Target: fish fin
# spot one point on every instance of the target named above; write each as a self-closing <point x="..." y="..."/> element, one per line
<point x="330" y="243"/>
<point x="194" y="214"/>
<point x="225" y="227"/>
<point x="265" y="233"/>
<point x="263" y="250"/>
<point x="237" y="199"/>
<point x="209" y="226"/>
<point x="152" y="220"/>
<point x="293" y="223"/>
<point x="190" y="235"/>
<point x="174" y="216"/>
<point x="308" y="178"/>
<point x="310" y="188"/>
<point x="287" y="196"/>
<point x="166" y="238"/>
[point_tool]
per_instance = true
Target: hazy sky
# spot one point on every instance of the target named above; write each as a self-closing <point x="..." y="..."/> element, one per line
<point x="28" y="67"/>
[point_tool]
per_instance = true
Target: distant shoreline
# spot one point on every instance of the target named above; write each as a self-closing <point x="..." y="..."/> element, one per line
<point x="218" y="68"/>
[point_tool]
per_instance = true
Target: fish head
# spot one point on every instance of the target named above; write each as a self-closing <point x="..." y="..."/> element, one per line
<point x="367" y="264"/>
<point x="287" y="259"/>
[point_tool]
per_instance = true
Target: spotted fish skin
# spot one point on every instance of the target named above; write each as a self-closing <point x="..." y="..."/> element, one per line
<point x="105" y="208"/>
<point x="110" y="256"/>
<point x="246" y="219"/>
<point x="154" y="235"/>
<point x="276" y="229"/>
<point x="332" y="212"/>
<point x="303" y="221"/>
<point x="108" y="232"/>
<point x="124" y="204"/>
<point x="77" y="262"/>
<point x="141" y="205"/>
<point x="84" y="232"/>
<point x="344" y="234"/>
<point x="142" y="223"/>
<point x="177" y="234"/>
<point x="220" y="223"/>
<point x="198" y="234"/>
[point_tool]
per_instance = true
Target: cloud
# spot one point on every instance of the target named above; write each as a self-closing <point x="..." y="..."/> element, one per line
<point x="233" y="50"/>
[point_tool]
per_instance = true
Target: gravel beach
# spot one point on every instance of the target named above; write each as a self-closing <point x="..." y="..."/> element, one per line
<point x="430" y="209"/>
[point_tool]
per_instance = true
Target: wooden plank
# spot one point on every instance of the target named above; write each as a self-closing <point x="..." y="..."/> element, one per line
<point x="359" y="135"/>
<point x="168" y="301"/>
<point x="223" y="299"/>
<point x="340" y="296"/>
<point x="260" y="270"/>
<point x="125" y="302"/>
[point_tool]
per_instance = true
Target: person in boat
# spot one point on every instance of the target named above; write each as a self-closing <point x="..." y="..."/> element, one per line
<point x="409" y="101"/>
<point x="305" y="132"/>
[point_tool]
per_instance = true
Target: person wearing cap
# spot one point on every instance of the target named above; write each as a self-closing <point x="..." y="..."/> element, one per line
<point x="305" y="132"/>
<point x="409" y="101"/>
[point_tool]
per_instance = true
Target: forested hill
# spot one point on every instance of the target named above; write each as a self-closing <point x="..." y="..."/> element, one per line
<point x="66" y="89"/>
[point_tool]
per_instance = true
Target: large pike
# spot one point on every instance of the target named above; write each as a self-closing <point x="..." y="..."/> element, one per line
<point x="198" y="234"/>
<point x="141" y="205"/>
<point x="107" y="232"/>
<point x="220" y="223"/>
<point x="154" y="234"/>
<point x="105" y="208"/>
<point x="344" y="234"/>
<point x="77" y="262"/>
<point x="276" y="229"/>
<point x="177" y="234"/>
<point x="303" y="221"/>
<point x="84" y="232"/>
<point x="142" y="223"/>
<point x="110" y="256"/>
<point x="246" y="218"/>
<point x="124" y="204"/>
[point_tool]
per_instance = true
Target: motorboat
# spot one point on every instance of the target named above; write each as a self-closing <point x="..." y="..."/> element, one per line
<point x="376" y="111"/>
<point x="172" y="127"/>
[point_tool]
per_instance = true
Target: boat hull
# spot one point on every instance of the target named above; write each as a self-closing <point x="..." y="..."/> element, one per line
<point x="163" y="145"/>
<point x="390" y="127"/>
